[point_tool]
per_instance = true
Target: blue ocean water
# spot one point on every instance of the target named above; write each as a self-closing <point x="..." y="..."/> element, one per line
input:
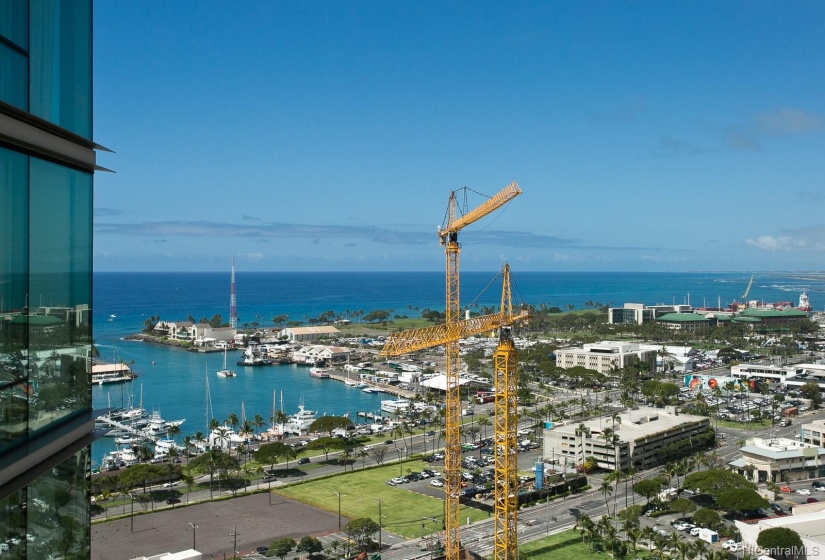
<point x="173" y="381"/>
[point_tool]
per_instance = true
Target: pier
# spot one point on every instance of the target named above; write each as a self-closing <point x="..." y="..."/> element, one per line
<point x="381" y="387"/>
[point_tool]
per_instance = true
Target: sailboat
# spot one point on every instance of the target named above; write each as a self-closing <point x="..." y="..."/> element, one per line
<point x="225" y="372"/>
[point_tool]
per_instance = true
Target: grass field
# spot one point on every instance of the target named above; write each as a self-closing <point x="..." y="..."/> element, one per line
<point x="404" y="512"/>
<point x="567" y="545"/>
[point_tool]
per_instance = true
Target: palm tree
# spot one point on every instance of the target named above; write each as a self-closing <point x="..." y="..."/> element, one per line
<point x="222" y="435"/>
<point x="259" y="422"/>
<point x="582" y="431"/>
<point x="279" y="418"/>
<point x="189" y="481"/>
<point x="585" y="526"/>
<point x="700" y="547"/>
<point x="483" y="422"/>
<point x="648" y="534"/>
<point x="683" y="549"/>
<point x="606" y="491"/>
<point x="633" y="536"/>
<point x="233" y="421"/>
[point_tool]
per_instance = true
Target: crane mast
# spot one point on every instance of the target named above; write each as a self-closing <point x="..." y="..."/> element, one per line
<point x="452" y="400"/>
<point x="506" y="411"/>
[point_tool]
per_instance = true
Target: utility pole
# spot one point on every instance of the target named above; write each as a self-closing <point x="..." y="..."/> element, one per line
<point x="234" y="536"/>
<point x="380" y="524"/>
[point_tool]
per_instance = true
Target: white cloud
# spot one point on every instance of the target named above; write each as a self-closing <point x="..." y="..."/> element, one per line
<point x="804" y="239"/>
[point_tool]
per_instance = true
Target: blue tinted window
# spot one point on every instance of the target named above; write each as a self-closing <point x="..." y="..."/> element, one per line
<point x="60" y="54"/>
<point x="14" y="22"/>
<point x="14" y="84"/>
<point x="14" y="226"/>
<point x="60" y="264"/>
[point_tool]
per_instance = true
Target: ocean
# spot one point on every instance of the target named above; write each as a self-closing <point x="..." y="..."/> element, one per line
<point x="174" y="382"/>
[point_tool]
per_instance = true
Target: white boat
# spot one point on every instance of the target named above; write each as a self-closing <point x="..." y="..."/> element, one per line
<point x="396" y="406"/>
<point x="158" y="426"/>
<point x="300" y="421"/>
<point x="321" y="373"/>
<point x="129" y="440"/>
<point x="370" y="390"/>
<point x="352" y="383"/>
<point x="225" y="372"/>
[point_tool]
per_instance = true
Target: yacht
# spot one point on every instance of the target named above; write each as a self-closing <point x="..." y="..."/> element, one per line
<point x="397" y="406"/>
<point x="300" y="421"/>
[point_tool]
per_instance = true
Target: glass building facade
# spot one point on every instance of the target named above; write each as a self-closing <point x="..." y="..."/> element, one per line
<point x="47" y="161"/>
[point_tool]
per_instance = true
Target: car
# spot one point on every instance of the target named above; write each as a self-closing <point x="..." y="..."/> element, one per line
<point x="4" y="546"/>
<point x="303" y="460"/>
<point x="437" y="483"/>
<point x="803" y="492"/>
<point x="268" y="478"/>
<point x="15" y="541"/>
<point x="812" y="500"/>
<point x="389" y="442"/>
<point x="171" y="501"/>
<point x="694" y="532"/>
<point x="776" y="508"/>
<point x="29" y="537"/>
<point x="728" y="543"/>
<point x="170" y="484"/>
<point x="687" y="527"/>
<point x="785" y="489"/>
<point x="679" y="526"/>
<point x="262" y="549"/>
<point x="818" y="485"/>
<point x="398" y="480"/>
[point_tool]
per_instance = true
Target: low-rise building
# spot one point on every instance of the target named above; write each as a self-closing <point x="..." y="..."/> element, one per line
<point x="306" y="334"/>
<point x="643" y="438"/>
<point x="809" y="526"/>
<point x="813" y="433"/>
<point x="779" y="459"/>
<point x="640" y="313"/>
<point x="604" y="357"/>
<point x="686" y="322"/>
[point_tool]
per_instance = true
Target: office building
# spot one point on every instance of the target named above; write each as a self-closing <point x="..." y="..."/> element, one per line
<point x="47" y="161"/>
<point x="645" y="437"/>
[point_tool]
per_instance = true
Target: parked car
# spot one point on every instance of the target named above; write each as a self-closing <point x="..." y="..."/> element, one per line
<point x="776" y="508"/>
<point x="694" y="532"/>
<point x="785" y="489"/>
<point x="812" y="500"/>
<point x="728" y="543"/>
<point x="437" y="482"/>
<point x="818" y="485"/>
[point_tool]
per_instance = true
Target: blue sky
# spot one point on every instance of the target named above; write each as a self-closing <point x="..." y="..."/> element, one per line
<point x="327" y="136"/>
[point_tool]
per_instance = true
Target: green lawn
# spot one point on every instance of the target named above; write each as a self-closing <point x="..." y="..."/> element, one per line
<point x="404" y="512"/>
<point x="567" y="545"/>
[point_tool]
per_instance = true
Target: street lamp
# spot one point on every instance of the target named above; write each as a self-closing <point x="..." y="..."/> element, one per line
<point x="339" y="508"/>
<point x="194" y="533"/>
<point x="400" y="463"/>
<point x="132" y="515"/>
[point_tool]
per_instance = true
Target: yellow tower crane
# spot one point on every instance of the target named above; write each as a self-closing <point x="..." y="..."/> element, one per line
<point x="506" y="420"/>
<point x="448" y="236"/>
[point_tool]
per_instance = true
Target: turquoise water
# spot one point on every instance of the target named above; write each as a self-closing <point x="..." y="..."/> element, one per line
<point x="173" y="381"/>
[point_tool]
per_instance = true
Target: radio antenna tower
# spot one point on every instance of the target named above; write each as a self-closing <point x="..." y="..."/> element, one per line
<point x="233" y="304"/>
